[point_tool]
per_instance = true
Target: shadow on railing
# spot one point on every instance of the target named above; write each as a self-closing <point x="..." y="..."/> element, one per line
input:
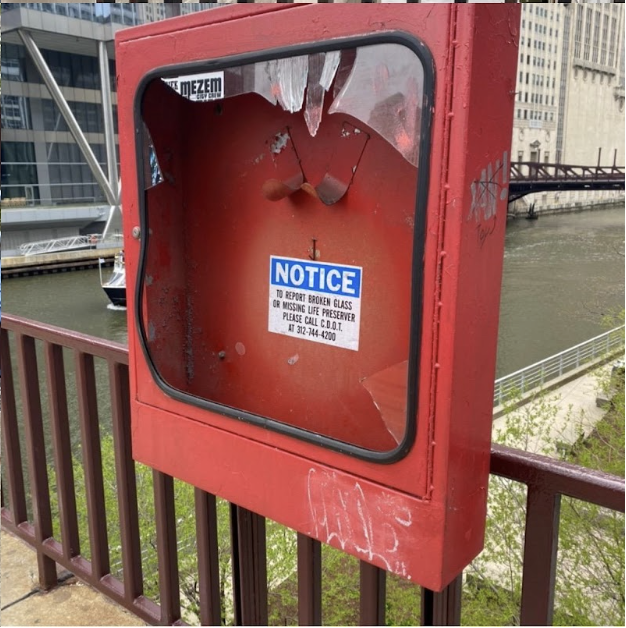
<point x="34" y="351"/>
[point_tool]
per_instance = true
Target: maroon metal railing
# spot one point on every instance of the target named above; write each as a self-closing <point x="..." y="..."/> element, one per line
<point x="546" y="480"/>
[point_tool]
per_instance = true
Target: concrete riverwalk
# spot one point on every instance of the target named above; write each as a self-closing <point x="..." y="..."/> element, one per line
<point x="557" y="418"/>
<point x="72" y="603"/>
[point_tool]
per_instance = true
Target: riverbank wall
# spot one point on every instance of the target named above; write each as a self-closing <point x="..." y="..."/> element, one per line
<point x="548" y="207"/>
<point x="65" y="261"/>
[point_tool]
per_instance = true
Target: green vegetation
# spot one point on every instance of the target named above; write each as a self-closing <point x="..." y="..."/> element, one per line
<point x="590" y="563"/>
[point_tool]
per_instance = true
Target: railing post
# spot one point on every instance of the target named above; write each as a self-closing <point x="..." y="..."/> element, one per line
<point x="208" y="558"/>
<point x="444" y="608"/>
<point x="167" y="550"/>
<point x="92" y="463"/>
<point x="309" y="581"/>
<point x="540" y="547"/>
<point x="61" y="440"/>
<point x="36" y="446"/>
<point x="126" y="482"/>
<point x="373" y="591"/>
<point x="249" y="567"/>
<point x="12" y="459"/>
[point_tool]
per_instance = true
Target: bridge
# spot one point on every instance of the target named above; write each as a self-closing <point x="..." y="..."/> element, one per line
<point x="528" y="177"/>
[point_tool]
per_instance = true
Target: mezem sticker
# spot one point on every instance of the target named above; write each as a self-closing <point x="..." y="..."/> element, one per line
<point x="315" y="301"/>
<point x="199" y="87"/>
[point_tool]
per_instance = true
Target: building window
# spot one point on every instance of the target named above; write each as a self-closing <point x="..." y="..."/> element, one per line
<point x="88" y="116"/>
<point x="19" y="171"/>
<point x="546" y="157"/>
<point x="15" y="113"/>
<point x="525" y="112"/>
<point x="604" y="40"/>
<point x="596" y="38"/>
<point x="71" y="179"/>
<point x="612" y="42"/>
<point x="587" y="42"/>
<point x="52" y="118"/>
<point x="520" y="155"/>
<point x="13" y="62"/>
<point x="72" y="70"/>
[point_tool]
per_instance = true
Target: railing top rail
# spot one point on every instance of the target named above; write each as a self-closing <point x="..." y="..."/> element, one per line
<point x="556" y="476"/>
<point x="99" y="347"/>
<point x="558" y="355"/>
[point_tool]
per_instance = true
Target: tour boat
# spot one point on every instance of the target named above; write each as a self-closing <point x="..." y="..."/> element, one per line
<point x="115" y="287"/>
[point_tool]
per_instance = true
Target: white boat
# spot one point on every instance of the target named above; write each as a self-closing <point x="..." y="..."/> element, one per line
<point x="115" y="287"/>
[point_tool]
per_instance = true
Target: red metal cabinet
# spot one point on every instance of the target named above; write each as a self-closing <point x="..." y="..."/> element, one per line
<point x="314" y="211"/>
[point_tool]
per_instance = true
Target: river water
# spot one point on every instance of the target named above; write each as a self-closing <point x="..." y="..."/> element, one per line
<point x="562" y="274"/>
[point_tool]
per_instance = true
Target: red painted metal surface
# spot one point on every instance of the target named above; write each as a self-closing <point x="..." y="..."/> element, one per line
<point x="213" y="224"/>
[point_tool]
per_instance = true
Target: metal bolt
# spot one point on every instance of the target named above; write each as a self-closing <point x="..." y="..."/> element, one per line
<point x="221" y="355"/>
<point x="136" y="232"/>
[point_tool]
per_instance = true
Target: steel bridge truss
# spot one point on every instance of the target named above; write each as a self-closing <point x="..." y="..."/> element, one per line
<point x="528" y="177"/>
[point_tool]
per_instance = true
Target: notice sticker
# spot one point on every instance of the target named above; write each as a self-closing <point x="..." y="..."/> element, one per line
<point x="315" y="301"/>
<point x="199" y="87"/>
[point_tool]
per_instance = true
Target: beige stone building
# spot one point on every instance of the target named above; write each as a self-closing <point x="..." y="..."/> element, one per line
<point x="569" y="104"/>
<point x="593" y="107"/>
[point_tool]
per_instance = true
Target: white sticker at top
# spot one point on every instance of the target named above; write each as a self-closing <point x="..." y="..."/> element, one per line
<point x="199" y="87"/>
<point x="315" y="301"/>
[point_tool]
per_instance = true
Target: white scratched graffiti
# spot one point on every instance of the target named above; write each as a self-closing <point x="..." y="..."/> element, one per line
<point x="487" y="192"/>
<point x="373" y="527"/>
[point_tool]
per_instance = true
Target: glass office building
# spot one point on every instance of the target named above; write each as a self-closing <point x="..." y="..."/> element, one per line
<point x="42" y="165"/>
